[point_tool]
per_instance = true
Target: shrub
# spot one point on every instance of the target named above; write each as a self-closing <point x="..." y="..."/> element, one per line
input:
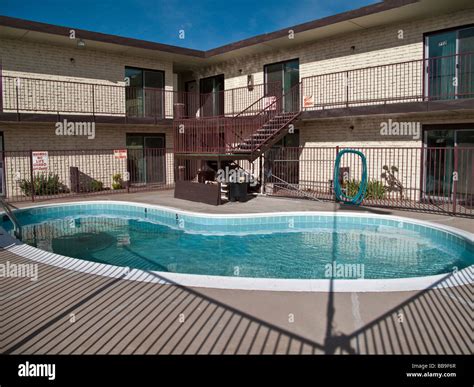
<point x="375" y="189"/>
<point x="95" y="185"/>
<point x="117" y="181"/>
<point x="43" y="184"/>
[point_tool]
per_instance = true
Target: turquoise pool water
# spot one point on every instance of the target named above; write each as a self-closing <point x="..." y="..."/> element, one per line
<point x="292" y="246"/>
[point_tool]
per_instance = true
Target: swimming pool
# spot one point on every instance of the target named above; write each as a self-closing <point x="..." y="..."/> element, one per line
<point x="283" y="246"/>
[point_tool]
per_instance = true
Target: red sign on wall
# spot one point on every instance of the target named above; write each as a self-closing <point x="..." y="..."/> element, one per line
<point x="120" y="154"/>
<point x="40" y="160"/>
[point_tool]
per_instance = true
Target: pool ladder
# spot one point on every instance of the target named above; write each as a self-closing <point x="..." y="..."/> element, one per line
<point x="8" y="211"/>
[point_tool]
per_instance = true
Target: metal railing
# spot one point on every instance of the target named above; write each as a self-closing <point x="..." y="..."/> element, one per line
<point x="23" y="95"/>
<point x="430" y="179"/>
<point x="420" y="178"/>
<point x="224" y="135"/>
<point x="49" y="174"/>
<point x="16" y="224"/>
<point x="438" y="78"/>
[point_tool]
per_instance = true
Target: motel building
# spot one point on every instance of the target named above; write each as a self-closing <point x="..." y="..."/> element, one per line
<point x="85" y="112"/>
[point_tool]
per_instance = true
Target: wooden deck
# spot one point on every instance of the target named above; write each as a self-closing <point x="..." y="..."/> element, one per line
<point x="69" y="312"/>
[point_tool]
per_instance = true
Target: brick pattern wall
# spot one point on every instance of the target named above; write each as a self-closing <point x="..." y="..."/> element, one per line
<point x="316" y="168"/>
<point x="94" y="158"/>
<point x="372" y="47"/>
<point x="47" y="62"/>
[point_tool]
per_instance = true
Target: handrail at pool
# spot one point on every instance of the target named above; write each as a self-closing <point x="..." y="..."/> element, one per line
<point x="12" y="217"/>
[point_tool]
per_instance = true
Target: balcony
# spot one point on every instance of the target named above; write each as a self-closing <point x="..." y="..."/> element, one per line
<point x="441" y="83"/>
<point x="49" y="100"/>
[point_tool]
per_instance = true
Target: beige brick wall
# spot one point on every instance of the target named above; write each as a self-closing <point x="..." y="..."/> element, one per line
<point x="35" y="60"/>
<point x="372" y="47"/>
<point x="94" y="158"/>
<point x="316" y="165"/>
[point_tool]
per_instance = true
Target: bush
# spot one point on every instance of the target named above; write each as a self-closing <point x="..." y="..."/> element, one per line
<point x="43" y="184"/>
<point x="95" y="185"/>
<point x="117" y="181"/>
<point x="375" y="189"/>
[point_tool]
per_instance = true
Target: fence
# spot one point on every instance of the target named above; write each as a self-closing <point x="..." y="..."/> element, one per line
<point x="42" y="175"/>
<point x="438" y="78"/>
<point x="23" y="95"/>
<point x="429" y="179"/>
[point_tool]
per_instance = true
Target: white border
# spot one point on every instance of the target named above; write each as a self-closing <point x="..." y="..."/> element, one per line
<point x="462" y="277"/>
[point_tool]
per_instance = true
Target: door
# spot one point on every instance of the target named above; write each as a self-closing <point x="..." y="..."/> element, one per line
<point x="283" y="159"/>
<point x="466" y="63"/>
<point x="450" y="64"/>
<point x="154" y="93"/>
<point x="146" y="158"/>
<point x="287" y="75"/>
<point x="2" y="167"/>
<point x="134" y="94"/>
<point x="192" y="98"/>
<point x="212" y="96"/>
<point x="439" y="163"/>
<point x="154" y="148"/>
<point x="442" y="159"/>
<point x="144" y="93"/>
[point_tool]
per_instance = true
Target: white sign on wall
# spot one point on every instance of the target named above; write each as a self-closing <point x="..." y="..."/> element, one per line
<point x="40" y="160"/>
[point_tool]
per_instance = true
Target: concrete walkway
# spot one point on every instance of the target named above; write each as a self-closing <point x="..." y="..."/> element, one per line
<point x="71" y="312"/>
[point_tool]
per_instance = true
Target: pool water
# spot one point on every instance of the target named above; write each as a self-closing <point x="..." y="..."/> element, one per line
<point x="293" y="246"/>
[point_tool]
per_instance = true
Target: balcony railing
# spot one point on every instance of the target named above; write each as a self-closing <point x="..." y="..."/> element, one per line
<point x="224" y="134"/>
<point x="439" y="78"/>
<point x="22" y="95"/>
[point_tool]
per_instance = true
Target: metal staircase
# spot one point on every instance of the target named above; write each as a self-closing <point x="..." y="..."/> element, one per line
<point x="245" y="136"/>
<point x="268" y="126"/>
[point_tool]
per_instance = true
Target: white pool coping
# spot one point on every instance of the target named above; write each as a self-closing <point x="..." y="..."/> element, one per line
<point x="461" y="277"/>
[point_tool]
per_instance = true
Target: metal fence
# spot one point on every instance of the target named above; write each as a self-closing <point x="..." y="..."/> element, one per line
<point x="438" y="78"/>
<point x="22" y="95"/>
<point x="428" y="179"/>
<point x="42" y="175"/>
<point x="419" y="178"/>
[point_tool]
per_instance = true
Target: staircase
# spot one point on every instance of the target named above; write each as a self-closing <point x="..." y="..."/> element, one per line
<point x="268" y="134"/>
<point x="266" y="127"/>
<point x="246" y="135"/>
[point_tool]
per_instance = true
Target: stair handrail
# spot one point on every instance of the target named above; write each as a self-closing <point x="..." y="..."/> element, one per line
<point x="12" y="217"/>
<point x="270" y="106"/>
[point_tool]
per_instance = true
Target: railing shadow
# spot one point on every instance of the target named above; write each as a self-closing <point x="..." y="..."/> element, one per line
<point x="116" y="316"/>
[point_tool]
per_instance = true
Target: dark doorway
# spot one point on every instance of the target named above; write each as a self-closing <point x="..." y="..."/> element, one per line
<point x="145" y="92"/>
<point x="450" y="64"/>
<point x="282" y="160"/>
<point x="146" y="158"/>
<point x="212" y="96"/>
<point x="286" y="74"/>
<point x="191" y="99"/>
<point x="441" y="142"/>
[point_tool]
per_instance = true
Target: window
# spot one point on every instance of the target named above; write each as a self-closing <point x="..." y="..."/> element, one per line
<point x="145" y="92"/>
<point x="280" y="78"/>
<point x="146" y="158"/>
<point x="450" y="64"/>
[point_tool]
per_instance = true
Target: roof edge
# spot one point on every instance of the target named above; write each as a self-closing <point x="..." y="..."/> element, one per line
<point x="30" y="25"/>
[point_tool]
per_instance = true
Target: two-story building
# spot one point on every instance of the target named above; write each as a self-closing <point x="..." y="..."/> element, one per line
<point x="395" y="78"/>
